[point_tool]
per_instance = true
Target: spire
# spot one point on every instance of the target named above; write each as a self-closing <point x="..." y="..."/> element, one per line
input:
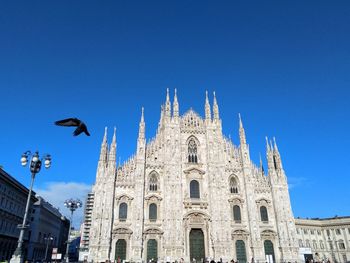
<point x="241" y="131"/>
<point x="275" y="145"/>
<point x="261" y="165"/>
<point x="142" y="126"/>
<point x="269" y="156"/>
<point x="142" y="113"/>
<point x="215" y="108"/>
<point x="161" y="120"/>
<point x="104" y="146"/>
<point x="267" y="144"/>
<point x="114" y="139"/>
<point x="175" y="106"/>
<point x="276" y="156"/>
<point x="167" y="104"/>
<point x="113" y="148"/>
<point x="207" y="107"/>
<point x="104" y="141"/>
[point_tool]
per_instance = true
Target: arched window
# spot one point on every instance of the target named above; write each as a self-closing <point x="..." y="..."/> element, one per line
<point x="152" y="212"/>
<point x="307" y="243"/>
<point x="301" y="243"/>
<point x="237" y="214"/>
<point x="341" y="244"/>
<point x="194" y="189"/>
<point x="263" y="214"/>
<point x="314" y="244"/>
<point x="123" y="211"/>
<point x="153" y="182"/>
<point x="192" y="151"/>
<point x="321" y="244"/>
<point x="233" y="186"/>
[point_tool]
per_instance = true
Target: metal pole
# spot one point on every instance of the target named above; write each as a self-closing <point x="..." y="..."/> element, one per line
<point x="68" y="241"/>
<point x="18" y="253"/>
<point x="47" y="248"/>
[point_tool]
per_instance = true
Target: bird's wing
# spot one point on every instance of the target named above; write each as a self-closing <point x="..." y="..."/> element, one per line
<point x="78" y="131"/>
<point x="86" y="132"/>
<point x="68" y="122"/>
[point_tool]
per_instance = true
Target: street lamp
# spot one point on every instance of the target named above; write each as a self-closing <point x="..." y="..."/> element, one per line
<point x="35" y="166"/>
<point x="72" y="205"/>
<point x="47" y="246"/>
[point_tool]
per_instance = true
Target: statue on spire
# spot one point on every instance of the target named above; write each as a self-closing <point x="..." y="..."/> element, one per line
<point x="175" y="106"/>
<point x="215" y="108"/>
<point x="207" y="107"/>
<point x="142" y="126"/>
<point x="167" y="104"/>
<point x="113" y="148"/>
<point x="241" y="131"/>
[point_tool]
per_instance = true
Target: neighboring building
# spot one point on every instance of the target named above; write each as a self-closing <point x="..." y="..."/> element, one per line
<point x="85" y="227"/>
<point x="74" y="246"/>
<point x="191" y="193"/>
<point x="13" y="199"/>
<point x="45" y="222"/>
<point x="325" y="238"/>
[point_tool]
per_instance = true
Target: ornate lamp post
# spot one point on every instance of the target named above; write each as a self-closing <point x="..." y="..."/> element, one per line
<point x="49" y="238"/>
<point x="72" y="205"/>
<point x="35" y="166"/>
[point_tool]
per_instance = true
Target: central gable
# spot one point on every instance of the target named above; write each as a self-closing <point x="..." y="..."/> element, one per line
<point x="191" y="121"/>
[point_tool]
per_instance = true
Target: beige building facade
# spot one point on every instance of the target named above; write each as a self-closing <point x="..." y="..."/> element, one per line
<point x="322" y="239"/>
<point x="191" y="193"/>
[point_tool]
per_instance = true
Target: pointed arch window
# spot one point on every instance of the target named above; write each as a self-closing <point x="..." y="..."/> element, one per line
<point x="301" y="243"/>
<point x="237" y="214"/>
<point x="263" y="214"/>
<point x="341" y="244"/>
<point x="321" y="244"/>
<point x="153" y="182"/>
<point x="123" y="211"/>
<point x="152" y="212"/>
<point x="233" y="186"/>
<point x="194" y="189"/>
<point x="192" y="151"/>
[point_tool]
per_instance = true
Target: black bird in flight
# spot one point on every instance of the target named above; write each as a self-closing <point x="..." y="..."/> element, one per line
<point x="76" y="123"/>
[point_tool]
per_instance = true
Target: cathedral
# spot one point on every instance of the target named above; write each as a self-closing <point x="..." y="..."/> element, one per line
<point x="190" y="194"/>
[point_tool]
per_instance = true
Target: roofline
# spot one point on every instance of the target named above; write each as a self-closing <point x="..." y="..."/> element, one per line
<point x="11" y="180"/>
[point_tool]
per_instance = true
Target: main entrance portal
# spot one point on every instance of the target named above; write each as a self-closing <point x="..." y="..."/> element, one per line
<point x="197" y="250"/>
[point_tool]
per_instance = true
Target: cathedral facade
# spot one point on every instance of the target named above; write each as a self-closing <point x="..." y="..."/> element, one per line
<point x="191" y="193"/>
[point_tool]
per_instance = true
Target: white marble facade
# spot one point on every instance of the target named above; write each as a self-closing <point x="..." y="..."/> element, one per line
<point x="191" y="193"/>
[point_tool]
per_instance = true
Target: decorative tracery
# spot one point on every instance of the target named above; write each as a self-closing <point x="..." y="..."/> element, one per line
<point x="192" y="151"/>
<point x="153" y="182"/>
<point x="233" y="186"/>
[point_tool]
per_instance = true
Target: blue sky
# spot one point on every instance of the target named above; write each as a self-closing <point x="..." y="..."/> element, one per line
<point x="284" y="65"/>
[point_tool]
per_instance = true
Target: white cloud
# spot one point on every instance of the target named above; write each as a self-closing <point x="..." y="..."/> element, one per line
<point x="296" y="181"/>
<point x="57" y="192"/>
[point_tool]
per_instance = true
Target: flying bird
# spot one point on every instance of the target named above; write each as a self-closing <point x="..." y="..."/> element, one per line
<point x="70" y="122"/>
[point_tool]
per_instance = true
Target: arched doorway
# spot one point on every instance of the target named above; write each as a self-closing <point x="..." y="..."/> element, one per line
<point x="152" y="250"/>
<point x="120" y="249"/>
<point x="269" y="252"/>
<point x="197" y="250"/>
<point x="240" y="251"/>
